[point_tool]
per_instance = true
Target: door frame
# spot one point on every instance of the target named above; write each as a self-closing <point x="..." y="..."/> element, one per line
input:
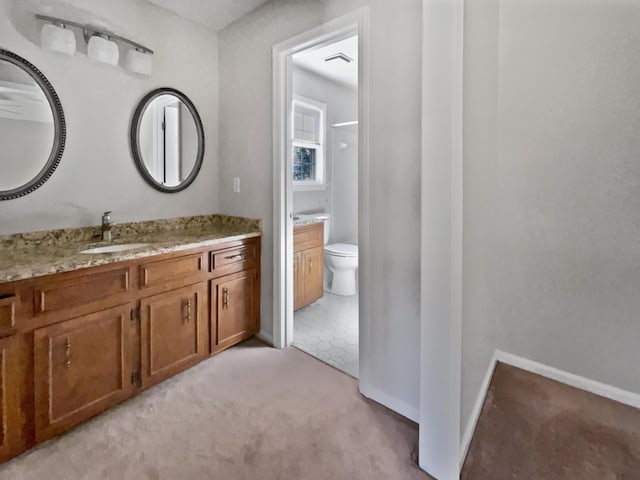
<point x="355" y="23"/>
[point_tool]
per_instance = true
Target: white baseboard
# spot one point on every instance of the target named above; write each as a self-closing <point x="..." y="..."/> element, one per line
<point x="265" y="337"/>
<point x="477" y="409"/>
<point x="391" y="402"/>
<point x="586" y="384"/>
<point x="598" y="388"/>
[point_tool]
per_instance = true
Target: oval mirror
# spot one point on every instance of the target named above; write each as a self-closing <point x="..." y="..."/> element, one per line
<point x="167" y="140"/>
<point x="32" y="127"/>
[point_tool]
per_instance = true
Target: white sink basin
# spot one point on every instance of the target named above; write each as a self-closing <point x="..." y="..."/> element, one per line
<point x="115" y="248"/>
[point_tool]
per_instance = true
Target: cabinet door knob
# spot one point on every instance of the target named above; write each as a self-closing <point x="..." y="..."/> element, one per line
<point x="67" y="351"/>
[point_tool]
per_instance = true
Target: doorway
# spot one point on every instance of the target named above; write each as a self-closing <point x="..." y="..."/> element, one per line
<point x="305" y="188"/>
<point x="324" y="143"/>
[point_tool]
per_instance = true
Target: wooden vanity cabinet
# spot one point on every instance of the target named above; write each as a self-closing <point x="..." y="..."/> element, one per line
<point x="308" y="264"/>
<point x="77" y="343"/>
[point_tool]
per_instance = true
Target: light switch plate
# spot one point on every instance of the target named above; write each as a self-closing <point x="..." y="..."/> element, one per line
<point x="236" y="184"/>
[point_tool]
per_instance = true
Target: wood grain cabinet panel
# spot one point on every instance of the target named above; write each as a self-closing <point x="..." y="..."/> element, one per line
<point x="7" y="434"/>
<point x="232" y="260"/>
<point x="54" y="295"/>
<point x="8" y="305"/>
<point x="158" y="272"/>
<point x="82" y="367"/>
<point x="234" y="309"/>
<point x="174" y="333"/>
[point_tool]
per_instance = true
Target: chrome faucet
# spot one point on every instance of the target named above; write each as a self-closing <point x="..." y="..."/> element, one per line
<point x="106" y="227"/>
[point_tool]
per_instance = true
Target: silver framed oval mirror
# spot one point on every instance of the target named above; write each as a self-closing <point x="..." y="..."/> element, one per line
<point x="167" y="140"/>
<point x="32" y="127"/>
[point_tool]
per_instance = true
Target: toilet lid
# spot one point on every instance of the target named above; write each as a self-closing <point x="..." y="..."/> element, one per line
<point x="345" y="249"/>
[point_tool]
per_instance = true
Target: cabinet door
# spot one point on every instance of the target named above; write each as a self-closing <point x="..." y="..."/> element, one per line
<point x="82" y="367"/>
<point x="235" y="317"/>
<point x="313" y="266"/>
<point x="173" y="333"/>
<point x="10" y="434"/>
<point x="298" y="281"/>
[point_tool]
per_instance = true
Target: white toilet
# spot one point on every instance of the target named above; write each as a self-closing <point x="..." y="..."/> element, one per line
<point x="341" y="265"/>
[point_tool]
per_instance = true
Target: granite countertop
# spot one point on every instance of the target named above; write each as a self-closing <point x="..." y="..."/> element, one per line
<point x="308" y="218"/>
<point x="28" y="255"/>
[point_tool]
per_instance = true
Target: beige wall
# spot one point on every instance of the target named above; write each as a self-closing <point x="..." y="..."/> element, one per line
<point x="552" y="188"/>
<point x="97" y="172"/>
<point x="246" y="146"/>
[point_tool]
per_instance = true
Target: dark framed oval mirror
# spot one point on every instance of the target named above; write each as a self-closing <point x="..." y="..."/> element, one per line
<point x="32" y="127"/>
<point x="167" y="140"/>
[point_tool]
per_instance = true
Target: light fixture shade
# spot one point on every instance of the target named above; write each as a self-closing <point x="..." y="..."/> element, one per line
<point x="103" y="50"/>
<point x="57" y="39"/>
<point x="139" y="62"/>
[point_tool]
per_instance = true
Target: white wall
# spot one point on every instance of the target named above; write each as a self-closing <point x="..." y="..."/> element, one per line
<point x="551" y="247"/>
<point x="340" y="198"/>
<point x="97" y="172"/>
<point x="245" y="151"/>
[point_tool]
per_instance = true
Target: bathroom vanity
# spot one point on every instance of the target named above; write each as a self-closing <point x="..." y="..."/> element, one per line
<point x="82" y="332"/>
<point x="308" y="263"/>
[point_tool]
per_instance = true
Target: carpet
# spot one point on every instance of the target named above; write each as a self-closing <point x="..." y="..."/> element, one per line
<point x="533" y="428"/>
<point x="251" y="412"/>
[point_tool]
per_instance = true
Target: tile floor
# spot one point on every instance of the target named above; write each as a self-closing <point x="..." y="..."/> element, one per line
<point x="328" y="330"/>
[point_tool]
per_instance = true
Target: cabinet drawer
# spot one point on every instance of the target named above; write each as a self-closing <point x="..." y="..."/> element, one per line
<point x="233" y="259"/>
<point x="8" y="306"/>
<point x="156" y="273"/>
<point x="63" y="294"/>
<point x="308" y="236"/>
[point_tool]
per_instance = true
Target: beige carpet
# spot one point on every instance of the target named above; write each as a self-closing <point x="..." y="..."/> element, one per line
<point x="532" y="428"/>
<point x="252" y="412"/>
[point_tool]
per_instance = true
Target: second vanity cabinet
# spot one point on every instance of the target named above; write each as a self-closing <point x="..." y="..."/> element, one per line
<point x="77" y="343"/>
<point x="308" y="264"/>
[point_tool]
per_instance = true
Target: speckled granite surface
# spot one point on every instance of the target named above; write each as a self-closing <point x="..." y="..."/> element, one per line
<point x="27" y="255"/>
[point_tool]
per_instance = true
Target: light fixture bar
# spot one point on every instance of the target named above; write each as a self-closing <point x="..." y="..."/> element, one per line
<point x="89" y="31"/>
<point x="339" y="56"/>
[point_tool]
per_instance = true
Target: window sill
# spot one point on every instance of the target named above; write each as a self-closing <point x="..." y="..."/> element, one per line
<point x="309" y="187"/>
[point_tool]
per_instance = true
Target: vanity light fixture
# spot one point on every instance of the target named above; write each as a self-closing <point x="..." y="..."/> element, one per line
<point x="101" y="49"/>
<point x="58" y="38"/>
<point x="102" y="45"/>
<point x="139" y="62"/>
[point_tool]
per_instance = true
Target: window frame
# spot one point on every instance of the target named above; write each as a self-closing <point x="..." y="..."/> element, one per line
<point x="320" y="182"/>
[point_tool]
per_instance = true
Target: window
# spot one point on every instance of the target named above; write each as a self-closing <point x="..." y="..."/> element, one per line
<point x="308" y="144"/>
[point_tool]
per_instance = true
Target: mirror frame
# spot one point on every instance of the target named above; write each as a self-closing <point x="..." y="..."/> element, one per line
<point x="135" y="139"/>
<point x="60" y="129"/>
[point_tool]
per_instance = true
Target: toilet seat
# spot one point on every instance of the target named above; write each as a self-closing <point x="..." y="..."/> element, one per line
<point x="342" y="250"/>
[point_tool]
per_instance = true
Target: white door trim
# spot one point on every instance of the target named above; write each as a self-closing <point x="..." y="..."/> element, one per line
<point x="441" y="251"/>
<point x="342" y="27"/>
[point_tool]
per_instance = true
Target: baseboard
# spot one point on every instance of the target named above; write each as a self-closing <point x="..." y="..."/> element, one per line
<point x="477" y="409"/>
<point x="265" y="337"/>
<point x="391" y="402"/>
<point x="598" y="388"/>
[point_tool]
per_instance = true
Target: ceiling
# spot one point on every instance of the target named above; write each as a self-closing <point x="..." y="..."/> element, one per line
<point x="215" y="14"/>
<point x="337" y="70"/>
